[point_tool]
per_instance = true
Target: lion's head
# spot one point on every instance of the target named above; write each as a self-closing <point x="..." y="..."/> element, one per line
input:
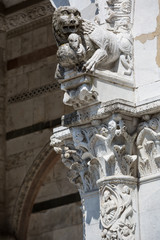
<point x="66" y="20"/>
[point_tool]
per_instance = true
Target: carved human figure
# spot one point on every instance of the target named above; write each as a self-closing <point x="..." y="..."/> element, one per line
<point x="108" y="208"/>
<point x="128" y="210"/>
<point x="125" y="44"/>
<point x="71" y="55"/>
<point x="76" y="44"/>
<point x="104" y="137"/>
<point x="148" y="143"/>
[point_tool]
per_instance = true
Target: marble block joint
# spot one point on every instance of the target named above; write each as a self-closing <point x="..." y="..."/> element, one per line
<point x="111" y="142"/>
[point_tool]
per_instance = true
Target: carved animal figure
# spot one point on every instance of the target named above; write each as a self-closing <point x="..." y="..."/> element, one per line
<point x="102" y="46"/>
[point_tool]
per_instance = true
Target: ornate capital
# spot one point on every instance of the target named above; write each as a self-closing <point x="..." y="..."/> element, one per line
<point x="103" y="148"/>
<point x="148" y="144"/>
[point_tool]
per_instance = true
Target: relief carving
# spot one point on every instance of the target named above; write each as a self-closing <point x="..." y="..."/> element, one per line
<point x="105" y="148"/>
<point x="85" y="46"/>
<point x="83" y="172"/>
<point x="117" y="212"/>
<point x="79" y="92"/>
<point x="148" y="143"/>
<point x="108" y="142"/>
<point x="28" y="15"/>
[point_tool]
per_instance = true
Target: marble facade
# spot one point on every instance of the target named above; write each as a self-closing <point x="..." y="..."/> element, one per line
<point x="108" y="67"/>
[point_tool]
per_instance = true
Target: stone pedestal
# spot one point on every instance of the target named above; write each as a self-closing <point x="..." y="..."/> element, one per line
<point x="111" y="142"/>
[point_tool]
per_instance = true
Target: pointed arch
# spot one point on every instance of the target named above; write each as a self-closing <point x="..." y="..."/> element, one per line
<point x="45" y="160"/>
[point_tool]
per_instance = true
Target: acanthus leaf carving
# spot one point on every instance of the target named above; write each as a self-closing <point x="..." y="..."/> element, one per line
<point x="104" y="148"/>
<point x="148" y="144"/>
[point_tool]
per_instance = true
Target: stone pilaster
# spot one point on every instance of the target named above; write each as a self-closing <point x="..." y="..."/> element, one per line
<point x="2" y="118"/>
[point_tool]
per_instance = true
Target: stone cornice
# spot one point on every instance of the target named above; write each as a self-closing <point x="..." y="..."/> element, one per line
<point x="29" y="17"/>
<point x="103" y="110"/>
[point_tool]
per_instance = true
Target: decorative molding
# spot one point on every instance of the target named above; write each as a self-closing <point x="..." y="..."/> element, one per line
<point x="29" y="27"/>
<point x="149" y="178"/>
<point x="103" y="110"/>
<point x="28" y="17"/>
<point x="33" y="93"/>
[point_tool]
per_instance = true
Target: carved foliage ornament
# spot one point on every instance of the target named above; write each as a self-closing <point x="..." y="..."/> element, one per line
<point x="103" y="149"/>
<point x="148" y="144"/>
<point x="117" y="212"/>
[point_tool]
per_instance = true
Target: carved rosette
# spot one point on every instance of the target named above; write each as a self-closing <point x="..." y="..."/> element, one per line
<point x="148" y="144"/>
<point x="117" y="208"/>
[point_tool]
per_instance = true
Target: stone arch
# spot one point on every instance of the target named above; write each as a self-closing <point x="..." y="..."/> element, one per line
<point x="46" y="159"/>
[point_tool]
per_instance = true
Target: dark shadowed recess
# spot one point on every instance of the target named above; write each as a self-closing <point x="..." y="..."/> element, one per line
<point x="57" y="202"/>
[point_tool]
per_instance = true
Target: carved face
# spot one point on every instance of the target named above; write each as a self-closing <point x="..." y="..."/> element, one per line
<point x="67" y="20"/>
<point x="74" y="41"/>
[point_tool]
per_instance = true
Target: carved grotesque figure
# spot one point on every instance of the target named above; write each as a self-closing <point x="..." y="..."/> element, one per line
<point x="92" y="45"/>
<point x="72" y="54"/>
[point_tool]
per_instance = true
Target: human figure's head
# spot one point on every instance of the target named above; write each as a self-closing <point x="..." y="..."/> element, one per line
<point x="74" y="41"/>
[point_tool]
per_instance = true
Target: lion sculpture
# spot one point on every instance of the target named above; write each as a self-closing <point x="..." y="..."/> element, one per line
<point x="101" y="49"/>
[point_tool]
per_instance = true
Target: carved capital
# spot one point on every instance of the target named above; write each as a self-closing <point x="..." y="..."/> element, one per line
<point x="148" y="144"/>
<point x="104" y="148"/>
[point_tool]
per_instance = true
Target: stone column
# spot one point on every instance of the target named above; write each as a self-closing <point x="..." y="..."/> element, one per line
<point x="2" y="118"/>
<point x="102" y="163"/>
<point x="111" y="142"/>
<point x="148" y="144"/>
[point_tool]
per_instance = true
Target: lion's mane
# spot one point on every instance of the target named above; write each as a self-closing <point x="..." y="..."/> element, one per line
<point x="86" y="27"/>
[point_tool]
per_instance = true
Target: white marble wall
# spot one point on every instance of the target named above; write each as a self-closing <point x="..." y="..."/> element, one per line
<point x="149" y="209"/>
<point x="92" y="217"/>
<point x="146" y="50"/>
